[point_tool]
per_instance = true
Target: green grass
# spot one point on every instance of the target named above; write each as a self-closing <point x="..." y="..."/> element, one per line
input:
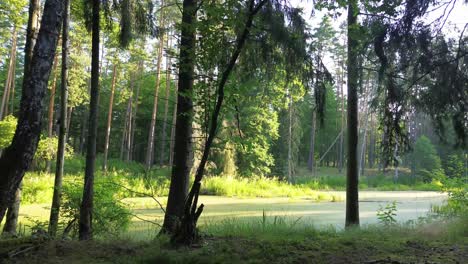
<point x="131" y="176"/>
<point x="268" y="241"/>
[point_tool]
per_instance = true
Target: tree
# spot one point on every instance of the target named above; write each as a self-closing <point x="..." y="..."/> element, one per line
<point x="166" y="105"/>
<point x="57" y="196"/>
<point x="10" y="80"/>
<point x="178" y="188"/>
<point x="17" y="157"/>
<point x="109" y="117"/>
<point x="425" y="155"/>
<point x="352" y="199"/>
<point x="50" y="115"/>
<point x="186" y="232"/>
<point x="86" y="209"/>
<point x="151" y="135"/>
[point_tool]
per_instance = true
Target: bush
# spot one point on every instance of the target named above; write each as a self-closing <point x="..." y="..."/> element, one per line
<point x="454" y="167"/>
<point x="425" y="156"/>
<point x="47" y="150"/>
<point x="110" y="216"/>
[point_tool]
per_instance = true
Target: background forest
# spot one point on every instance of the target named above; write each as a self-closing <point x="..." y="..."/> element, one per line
<point x="244" y="99"/>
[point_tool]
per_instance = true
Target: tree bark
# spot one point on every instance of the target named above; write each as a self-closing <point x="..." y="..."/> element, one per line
<point x="84" y="124"/>
<point x="11" y="222"/>
<point x="183" y="133"/>
<point x="57" y="196"/>
<point x="32" y="30"/>
<point x="343" y="121"/>
<point x="368" y="90"/>
<point x="166" y="108"/>
<point x="173" y="127"/>
<point x="50" y="115"/>
<point x="18" y="156"/>
<point x="127" y="127"/>
<point x="150" y="147"/>
<point x="290" y="161"/>
<point x="132" y="133"/>
<point x="109" y="119"/>
<point x="10" y="77"/>
<point x="352" y="180"/>
<point x="311" y="160"/>
<point x="86" y="209"/>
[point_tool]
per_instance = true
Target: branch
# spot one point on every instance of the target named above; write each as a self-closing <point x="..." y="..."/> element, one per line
<point x="142" y="194"/>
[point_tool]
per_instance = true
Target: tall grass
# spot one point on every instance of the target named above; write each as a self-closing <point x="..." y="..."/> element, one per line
<point x="261" y="187"/>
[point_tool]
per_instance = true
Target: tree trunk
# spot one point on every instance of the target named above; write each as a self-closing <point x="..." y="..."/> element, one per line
<point x="18" y="156"/>
<point x="183" y="133"/>
<point x="311" y="160"/>
<point x="11" y="223"/>
<point x="84" y="124"/>
<point x="86" y="209"/>
<point x="166" y="108"/>
<point x="173" y="127"/>
<point x="341" y="158"/>
<point x="10" y="77"/>
<point x="186" y="232"/>
<point x="50" y="115"/>
<point x="352" y="198"/>
<point x="127" y="127"/>
<point x="150" y="147"/>
<point x="395" y="157"/>
<point x="13" y="84"/>
<point x="368" y="91"/>
<point x="371" y="148"/>
<point x="290" y="165"/>
<point x="109" y="119"/>
<point x="132" y="133"/>
<point x="57" y="196"/>
<point x="69" y="120"/>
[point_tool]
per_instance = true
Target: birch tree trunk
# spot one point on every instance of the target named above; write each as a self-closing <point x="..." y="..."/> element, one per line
<point x="17" y="158"/>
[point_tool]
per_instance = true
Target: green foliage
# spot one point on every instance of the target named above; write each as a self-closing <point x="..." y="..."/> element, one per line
<point x="454" y="166"/>
<point x="110" y="216"/>
<point x="7" y="130"/>
<point x="260" y="187"/>
<point x="457" y="203"/>
<point x="426" y="161"/>
<point x="387" y="214"/>
<point x="47" y="150"/>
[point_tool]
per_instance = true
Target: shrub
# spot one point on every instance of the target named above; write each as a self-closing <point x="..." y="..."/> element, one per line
<point x="425" y="155"/>
<point x="47" y="150"/>
<point x="454" y="167"/>
<point x="110" y="216"/>
<point x="387" y="214"/>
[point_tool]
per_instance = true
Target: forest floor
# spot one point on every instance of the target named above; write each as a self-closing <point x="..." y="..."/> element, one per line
<point x="445" y="242"/>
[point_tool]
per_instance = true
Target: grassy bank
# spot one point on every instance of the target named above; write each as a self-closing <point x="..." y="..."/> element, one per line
<point x="134" y="181"/>
<point x="270" y="242"/>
